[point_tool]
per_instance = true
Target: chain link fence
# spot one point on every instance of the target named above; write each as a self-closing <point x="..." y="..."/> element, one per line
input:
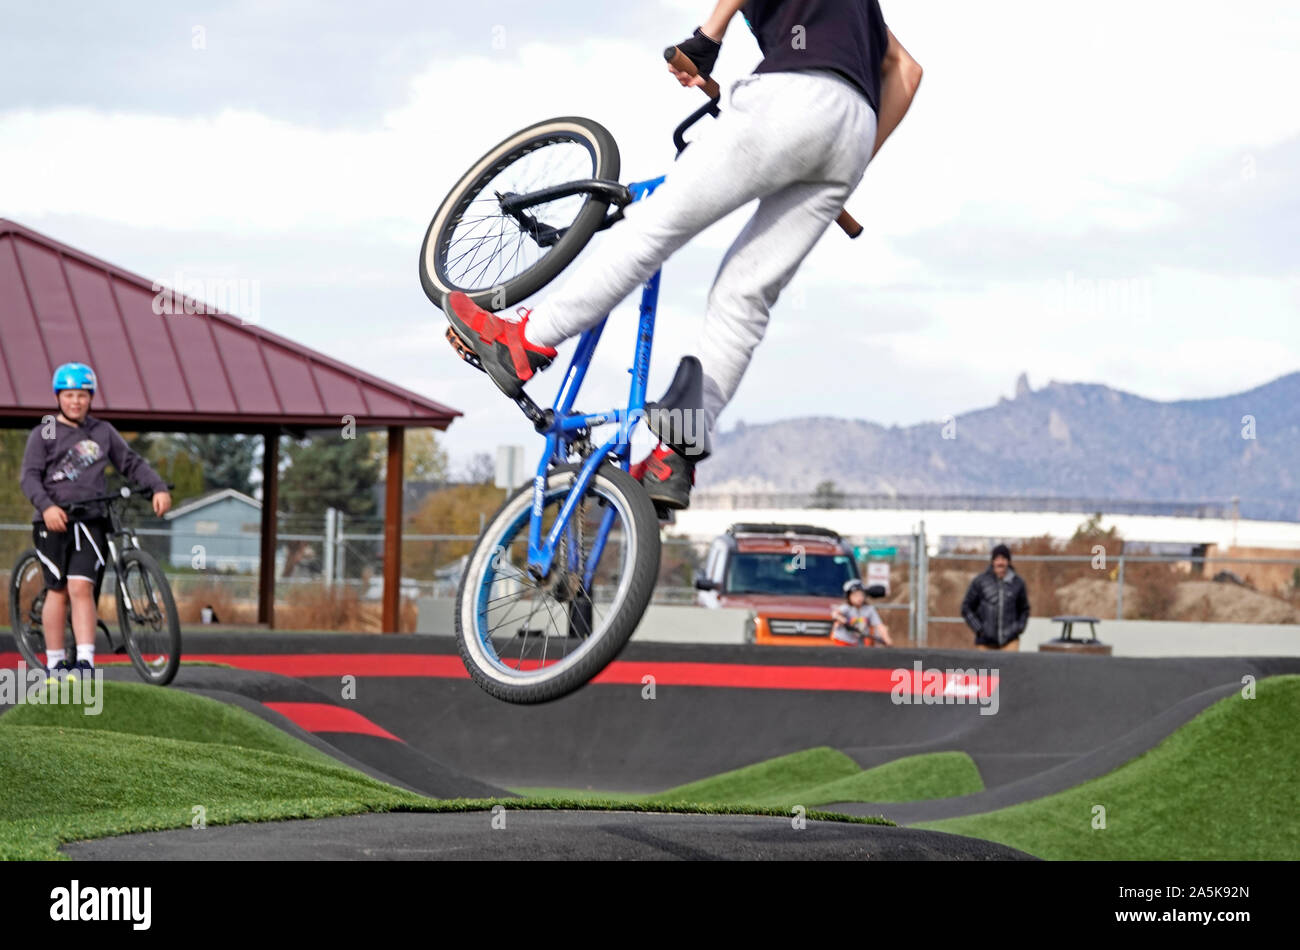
<point x="329" y="576"/>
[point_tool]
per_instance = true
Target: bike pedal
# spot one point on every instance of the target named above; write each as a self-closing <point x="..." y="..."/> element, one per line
<point x="666" y="515"/>
<point x="465" y="353"/>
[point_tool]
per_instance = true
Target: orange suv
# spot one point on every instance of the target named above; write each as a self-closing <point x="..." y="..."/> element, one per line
<point x="790" y="576"/>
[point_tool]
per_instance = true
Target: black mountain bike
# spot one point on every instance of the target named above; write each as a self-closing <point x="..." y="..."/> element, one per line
<point x="149" y="627"/>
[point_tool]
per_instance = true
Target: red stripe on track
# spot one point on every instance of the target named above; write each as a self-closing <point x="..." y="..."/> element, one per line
<point x="323" y="717"/>
<point x="9" y="661"/>
<point x="665" y="673"/>
<point x="341" y="664"/>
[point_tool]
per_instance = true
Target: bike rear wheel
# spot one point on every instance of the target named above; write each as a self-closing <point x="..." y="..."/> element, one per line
<point x="26" y="598"/>
<point x="146" y="614"/>
<point x="498" y="259"/>
<point x="528" y="642"/>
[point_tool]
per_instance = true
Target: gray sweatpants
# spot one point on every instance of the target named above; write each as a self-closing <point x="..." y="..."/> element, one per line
<point x="797" y="141"/>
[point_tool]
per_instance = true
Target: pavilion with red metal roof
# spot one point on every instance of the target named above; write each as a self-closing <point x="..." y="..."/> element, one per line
<point x="194" y="371"/>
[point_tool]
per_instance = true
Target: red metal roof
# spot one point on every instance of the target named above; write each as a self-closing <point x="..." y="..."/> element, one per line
<point x="208" y="370"/>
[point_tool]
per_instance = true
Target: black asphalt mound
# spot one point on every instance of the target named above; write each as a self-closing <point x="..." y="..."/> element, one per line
<point x="1048" y="781"/>
<point x="1059" y="720"/>
<point x="542" y="835"/>
<point x="391" y="761"/>
<point x="397" y="763"/>
<point x="1053" y="710"/>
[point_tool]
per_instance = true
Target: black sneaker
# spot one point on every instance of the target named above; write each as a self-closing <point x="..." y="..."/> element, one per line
<point x="83" y="669"/>
<point x="60" y="670"/>
<point x="667" y="478"/>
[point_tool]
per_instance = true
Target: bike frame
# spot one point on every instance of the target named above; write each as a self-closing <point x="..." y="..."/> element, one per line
<point x="118" y="532"/>
<point x="562" y="427"/>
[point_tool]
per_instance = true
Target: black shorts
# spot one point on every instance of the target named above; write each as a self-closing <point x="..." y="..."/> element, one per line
<point x="81" y="551"/>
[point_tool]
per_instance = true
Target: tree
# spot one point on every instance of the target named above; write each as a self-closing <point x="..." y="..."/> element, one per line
<point x="457" y="509"/>
<point x="14" y="506"/>
<point x="679" y="562"/>
<point x="172" y="460"/>
<point x="480" y="470"/>
<point x="326" y="473"/>
<point x="183" y="472"/>
<point x="826" y="496"/>
<point x="1090" y="532"/>
<point x="424" y="460"/>
<point x="227" y="461"/>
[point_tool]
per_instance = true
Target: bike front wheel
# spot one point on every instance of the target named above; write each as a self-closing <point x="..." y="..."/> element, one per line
<point x="525" y="641"/>
<point x="146" y="614"/>
<point x="498" y="256"/>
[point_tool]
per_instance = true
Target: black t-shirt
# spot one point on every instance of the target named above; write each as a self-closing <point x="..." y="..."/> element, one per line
<point x="848" y="36"/>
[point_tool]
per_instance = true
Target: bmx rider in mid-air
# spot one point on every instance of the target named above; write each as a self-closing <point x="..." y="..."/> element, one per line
<point x="797" y="136"/>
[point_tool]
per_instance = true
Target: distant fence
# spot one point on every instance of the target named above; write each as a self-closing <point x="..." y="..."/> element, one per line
<point x="1124" y="586"/>
<point x="705" y="499"/>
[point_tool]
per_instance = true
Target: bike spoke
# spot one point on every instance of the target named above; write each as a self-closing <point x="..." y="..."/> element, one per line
<point x="501" y="246"/>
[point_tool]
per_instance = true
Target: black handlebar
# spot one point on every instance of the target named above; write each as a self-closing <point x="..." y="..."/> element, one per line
<point x="122" y="494"/>
<point x="679" y="133"/>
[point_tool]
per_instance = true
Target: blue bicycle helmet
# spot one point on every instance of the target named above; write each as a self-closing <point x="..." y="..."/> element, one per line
<point x="74" y="376"/>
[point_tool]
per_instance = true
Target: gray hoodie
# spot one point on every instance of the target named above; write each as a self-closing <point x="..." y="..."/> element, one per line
<point x="70" y="466"/>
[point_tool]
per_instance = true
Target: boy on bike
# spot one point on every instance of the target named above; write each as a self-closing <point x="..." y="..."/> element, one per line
<point x="797" y="136"/>
<point x="855" y="622"/>
<point x="63" y="465"/>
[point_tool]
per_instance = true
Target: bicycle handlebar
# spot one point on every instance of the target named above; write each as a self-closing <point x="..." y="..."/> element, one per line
<point x="120" y="495"/>
<point x="681" y="62"/>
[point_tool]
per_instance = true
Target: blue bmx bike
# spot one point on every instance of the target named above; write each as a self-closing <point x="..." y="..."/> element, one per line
<point x="564" y="571"/>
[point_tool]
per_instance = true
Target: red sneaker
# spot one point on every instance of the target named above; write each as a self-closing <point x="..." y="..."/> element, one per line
<point x="667" y="477"/>
<point x="496" y="345"/>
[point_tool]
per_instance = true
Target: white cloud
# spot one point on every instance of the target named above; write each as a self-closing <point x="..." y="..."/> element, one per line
<point x="1056" y="121"/>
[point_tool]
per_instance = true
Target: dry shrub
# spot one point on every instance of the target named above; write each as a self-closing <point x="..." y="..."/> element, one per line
<point x="1157" y="588"/>
<point x="317" y="607"/>
<point x="407" y="616"/>
<point x="947" y="587"/>
<point x="1203" y="611"/>
<point x="948" y="636"/>
<point x="192" y="598"/>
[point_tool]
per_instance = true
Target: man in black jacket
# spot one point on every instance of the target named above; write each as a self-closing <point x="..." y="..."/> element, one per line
<point x="996" y="606"/>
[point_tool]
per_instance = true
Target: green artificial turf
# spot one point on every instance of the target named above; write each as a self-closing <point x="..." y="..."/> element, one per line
<point x="159" y="759"/>
<point x="142" y="710"/>
<point x="911" y="779"/>
<point x="812" y="777"/>
<point x="63" y="784"/>
<point x="1222" y="787"/>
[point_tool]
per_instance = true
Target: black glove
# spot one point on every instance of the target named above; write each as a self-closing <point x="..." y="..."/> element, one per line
<point x="701" y="51"/>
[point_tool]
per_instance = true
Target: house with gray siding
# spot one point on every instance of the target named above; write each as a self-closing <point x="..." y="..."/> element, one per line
<point x="223" y="527"/>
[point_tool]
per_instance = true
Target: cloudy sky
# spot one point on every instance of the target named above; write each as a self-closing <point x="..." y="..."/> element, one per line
<point x="1104" y="195"/>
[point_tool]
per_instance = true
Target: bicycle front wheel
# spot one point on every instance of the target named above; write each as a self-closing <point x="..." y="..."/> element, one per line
<point x="146" y="614"/>
<point x="26" y="599"/>
<point x="525" y="641"/>
<point x="497" y="257"/>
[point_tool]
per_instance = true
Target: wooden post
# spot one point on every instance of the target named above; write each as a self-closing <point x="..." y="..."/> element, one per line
<point x="393" y="529"/>
<point x="270" y="502"/>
